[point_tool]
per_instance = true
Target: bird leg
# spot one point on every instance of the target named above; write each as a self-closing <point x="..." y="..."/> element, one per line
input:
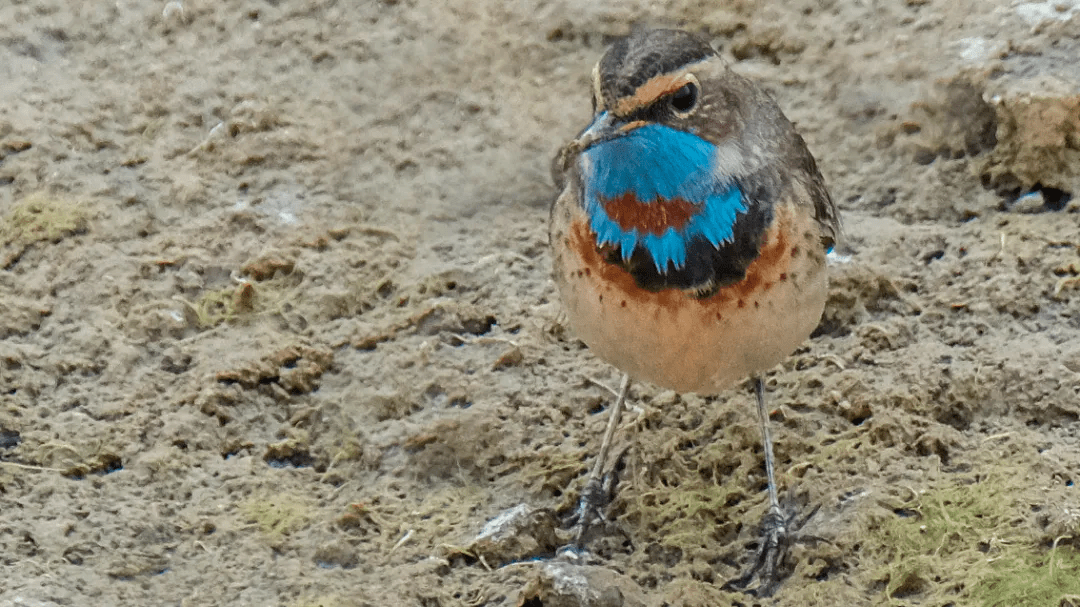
<point x="766" y="438"/>
<point x="774" y="545"/>
<point x="594" y="493"/>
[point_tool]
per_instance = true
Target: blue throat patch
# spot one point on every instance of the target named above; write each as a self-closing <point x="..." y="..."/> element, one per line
<point x="656" y="187"/>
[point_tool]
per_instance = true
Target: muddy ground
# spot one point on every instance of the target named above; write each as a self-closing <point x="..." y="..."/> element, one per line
<point x="276" y="325"/>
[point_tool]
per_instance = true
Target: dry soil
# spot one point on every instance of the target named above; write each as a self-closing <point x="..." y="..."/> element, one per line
<point x="277" y="328"/>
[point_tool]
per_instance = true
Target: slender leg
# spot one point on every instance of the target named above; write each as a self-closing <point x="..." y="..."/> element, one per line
<point x="766" y="438"/>
<point x="591" y="496"/>
<point x="775" y="543"/>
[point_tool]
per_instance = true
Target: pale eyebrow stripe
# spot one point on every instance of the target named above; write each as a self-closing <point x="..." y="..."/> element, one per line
<point x="656" y="87"/>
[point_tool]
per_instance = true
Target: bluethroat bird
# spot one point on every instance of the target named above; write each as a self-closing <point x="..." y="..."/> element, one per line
<point x="690" y="237"/>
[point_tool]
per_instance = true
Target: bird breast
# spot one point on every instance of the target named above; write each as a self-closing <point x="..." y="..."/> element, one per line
<point x="677" y="340"/>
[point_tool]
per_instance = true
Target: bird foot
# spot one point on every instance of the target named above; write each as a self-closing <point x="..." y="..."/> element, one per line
<point x="595" y="498"/>
<point x="596" y="495"/>
<point x="772" y="563"/>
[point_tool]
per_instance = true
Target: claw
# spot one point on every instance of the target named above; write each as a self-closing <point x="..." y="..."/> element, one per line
<point x="589" y="508"/>
<point x="771" y="564"/>
<point x="595" y="497"/>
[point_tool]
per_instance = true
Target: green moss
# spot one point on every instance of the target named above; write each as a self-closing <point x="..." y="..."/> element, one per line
<point x="1029" y="578"/>
<point x="215" y="307"/>
<point x="278" y="515"/>
<point x="952" y="520"/>
<point x="551" y="471"/>
<point x="682" y="513"/>
<point x="39" y="218"/>
<point x="244" y="299"/>
<point x="970" y="542"/>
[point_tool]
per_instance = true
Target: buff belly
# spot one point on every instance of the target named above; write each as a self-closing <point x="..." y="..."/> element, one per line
<point x="681" y="342"/>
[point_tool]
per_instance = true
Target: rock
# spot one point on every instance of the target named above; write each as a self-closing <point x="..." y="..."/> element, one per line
<point x="1032" y="202"/>
<point x="1038" y="136"/>
<point x="520" y="533"/>
<point x="562" y="584"/>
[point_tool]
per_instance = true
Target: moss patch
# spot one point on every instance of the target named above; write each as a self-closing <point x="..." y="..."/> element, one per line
<point x="215" y="307"/>
<point x="967" y="541"/>
<point x="1032" y="577"/>
<point x="38" y="217"/>
<point x="244" y="299"/>
<point x="278" y="515"/>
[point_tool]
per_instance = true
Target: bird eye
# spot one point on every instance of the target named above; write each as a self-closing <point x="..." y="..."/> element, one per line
<point x="684" y="99"/>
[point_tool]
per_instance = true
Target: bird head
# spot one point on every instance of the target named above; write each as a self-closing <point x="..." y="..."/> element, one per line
<point x="659" y="167"/>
